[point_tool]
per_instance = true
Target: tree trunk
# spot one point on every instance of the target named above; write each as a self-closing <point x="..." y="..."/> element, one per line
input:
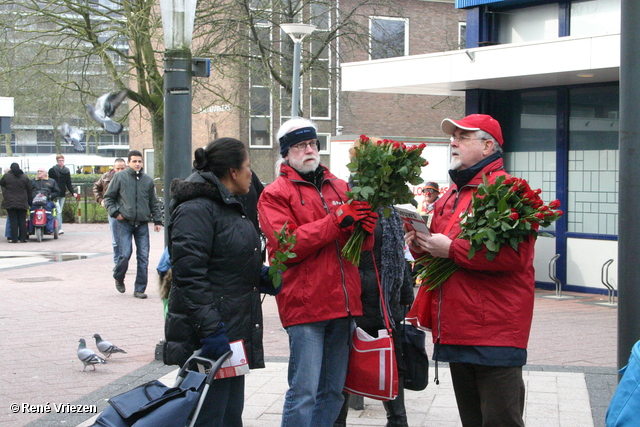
<point x="157" y="133"/>
<point x="7" y="145"/>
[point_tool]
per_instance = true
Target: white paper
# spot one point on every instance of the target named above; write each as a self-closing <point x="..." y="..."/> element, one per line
<point x="412" y="217"/>
<point x="236" y="365"/>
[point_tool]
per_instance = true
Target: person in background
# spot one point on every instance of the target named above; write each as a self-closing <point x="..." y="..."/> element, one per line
<point x="49" y="187"/>
<point x="431" y="192"/>
<point x="62" y="175"/>
<point x="320" y="293"/>
<point x="16" y="195"/>
<point x="480" y="317"/>
<point x="131" y="199"/>
<point x="99" y="188"/>
<point x="215" y="266"/>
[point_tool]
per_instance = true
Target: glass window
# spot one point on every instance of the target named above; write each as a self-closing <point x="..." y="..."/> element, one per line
<point x="324" y="140"/>
<point x="593" y="160"/>
<point x="530" y="142"/>
<point x="260" y="132"/>
<point x="529" y="24"/>
<point x="462" y="35"/>
<point x="388" y="37"/>
<point x="595" y="17"/>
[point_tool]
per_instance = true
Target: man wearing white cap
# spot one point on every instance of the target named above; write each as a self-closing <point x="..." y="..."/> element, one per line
<point x="480" y="317"/>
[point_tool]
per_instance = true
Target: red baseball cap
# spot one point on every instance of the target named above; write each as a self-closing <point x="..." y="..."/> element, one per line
<point x="474" y="122"/>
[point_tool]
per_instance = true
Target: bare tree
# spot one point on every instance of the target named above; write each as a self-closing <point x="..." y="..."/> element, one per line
<point x="59" y="55"/>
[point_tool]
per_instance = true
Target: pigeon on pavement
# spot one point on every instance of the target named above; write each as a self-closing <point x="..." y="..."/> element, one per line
<point x="105" y="108"/>
<point x="88" y="356"/>
<point x="105" y="347"/>
<point x="72" y="136"/>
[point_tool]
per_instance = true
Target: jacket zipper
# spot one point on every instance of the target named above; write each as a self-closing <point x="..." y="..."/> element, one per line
<point x="335" y="241"/>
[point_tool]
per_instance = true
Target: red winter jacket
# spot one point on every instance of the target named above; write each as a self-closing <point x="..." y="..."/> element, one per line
<point x="318" y="284"/>
<point x="485" y="303"/>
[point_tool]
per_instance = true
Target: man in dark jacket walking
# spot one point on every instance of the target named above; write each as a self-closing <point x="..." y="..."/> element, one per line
<point x="131" y="199"/>
<point x="62" y="175"/>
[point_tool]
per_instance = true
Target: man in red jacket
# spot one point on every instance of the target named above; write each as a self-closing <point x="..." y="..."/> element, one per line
<point x="480" y="317"/>
<point x="320" y="291"/>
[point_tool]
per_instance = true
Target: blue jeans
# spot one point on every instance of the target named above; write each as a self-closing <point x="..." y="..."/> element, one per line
<point x="140" y="233"/>
<point x="114" y="243"/>
<point x="318" y="360"/>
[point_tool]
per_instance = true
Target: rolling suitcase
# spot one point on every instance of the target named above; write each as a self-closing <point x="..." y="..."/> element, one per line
<point x="155" y="405"/>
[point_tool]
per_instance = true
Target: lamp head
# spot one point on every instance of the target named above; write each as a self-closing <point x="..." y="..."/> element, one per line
<point x="297" y="32"/>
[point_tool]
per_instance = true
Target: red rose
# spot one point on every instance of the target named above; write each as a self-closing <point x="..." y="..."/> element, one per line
<point x="514" y="215"/>
<point x="539" y="215"/>
<point x="554" y="204"/>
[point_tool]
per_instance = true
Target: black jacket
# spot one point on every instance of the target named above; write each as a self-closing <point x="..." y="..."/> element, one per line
<point x="48" y="186"/>
<point x="63" y="179"/>
<point x="16" y="191"/>
<point x="215" y="261"/>
<point x="372" y="318"/>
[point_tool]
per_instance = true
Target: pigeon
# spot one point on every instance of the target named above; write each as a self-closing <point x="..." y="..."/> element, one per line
<point x="105" y="108"/>
<point x="72" y="136"/>
<point x="88" y="356"/>
<point x="105" y="347"/>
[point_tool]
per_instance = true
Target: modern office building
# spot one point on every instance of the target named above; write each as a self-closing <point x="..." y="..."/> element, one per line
<point x="549" y="72"/>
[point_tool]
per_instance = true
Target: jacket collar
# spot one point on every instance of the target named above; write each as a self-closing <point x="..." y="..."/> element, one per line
<point x="473" y="175"/>
<point x="202" y="184"/>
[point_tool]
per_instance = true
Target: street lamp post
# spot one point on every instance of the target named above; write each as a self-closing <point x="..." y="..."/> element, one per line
<point x="297" y="32"/>
<point x="177" y="22"/>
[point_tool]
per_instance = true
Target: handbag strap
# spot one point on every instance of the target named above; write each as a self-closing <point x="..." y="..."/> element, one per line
<point x="384" y="304"/>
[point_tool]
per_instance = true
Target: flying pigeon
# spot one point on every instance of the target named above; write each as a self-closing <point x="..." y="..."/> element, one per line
<point x="105" y="108"/>
<point x="88" y="356"/>
<point x="106" y="348"/>
<point x="72" y="136"/>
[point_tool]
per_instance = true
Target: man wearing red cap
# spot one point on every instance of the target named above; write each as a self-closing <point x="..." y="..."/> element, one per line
<point x="480" y="317"/>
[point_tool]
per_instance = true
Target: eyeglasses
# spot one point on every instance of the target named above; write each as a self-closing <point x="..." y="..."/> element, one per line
<point x="302" y="146"/>
<point x="464" y="138"/>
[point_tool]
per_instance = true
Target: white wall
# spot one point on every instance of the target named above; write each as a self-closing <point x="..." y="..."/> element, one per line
<point x="585" y="259"/>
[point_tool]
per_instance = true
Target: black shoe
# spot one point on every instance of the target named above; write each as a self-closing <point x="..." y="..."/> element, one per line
<point x="140" y="295"/>
<point x="120" y="286"/>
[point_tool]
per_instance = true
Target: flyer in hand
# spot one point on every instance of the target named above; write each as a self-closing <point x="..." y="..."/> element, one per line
<point x="411" y="217"/>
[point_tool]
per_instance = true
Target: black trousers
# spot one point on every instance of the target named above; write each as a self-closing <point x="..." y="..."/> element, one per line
<point x="224" y="404"/>
<point x="488" y="396"/>
<point x="17" y="224"/>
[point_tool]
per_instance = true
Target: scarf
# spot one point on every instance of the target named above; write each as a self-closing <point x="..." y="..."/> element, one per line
<point x="392" y="259"/>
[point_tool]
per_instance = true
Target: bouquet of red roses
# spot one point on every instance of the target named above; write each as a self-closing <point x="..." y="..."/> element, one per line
<point x="503" y="213"/>
<point x="381" y="171"/>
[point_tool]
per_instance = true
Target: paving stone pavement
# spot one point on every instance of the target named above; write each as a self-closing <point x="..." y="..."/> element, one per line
<point x="58" y="291"/>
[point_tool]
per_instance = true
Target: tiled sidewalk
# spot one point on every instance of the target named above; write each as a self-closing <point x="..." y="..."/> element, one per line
<point x="554" y="399"/>
<point x="49" y="303"/>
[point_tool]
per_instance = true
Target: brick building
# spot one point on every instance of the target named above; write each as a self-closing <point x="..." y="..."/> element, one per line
<point x="254" y="108"/>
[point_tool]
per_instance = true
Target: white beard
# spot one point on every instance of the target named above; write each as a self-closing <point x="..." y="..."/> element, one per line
<point x="305" y="167"/>
<point x="455" y="164"/>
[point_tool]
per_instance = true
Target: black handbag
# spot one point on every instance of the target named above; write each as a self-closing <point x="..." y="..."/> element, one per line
<point x="414" y="355"/>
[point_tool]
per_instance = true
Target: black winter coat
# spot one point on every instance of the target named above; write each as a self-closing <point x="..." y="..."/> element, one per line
<point x="372" y="318"/>
<point x="215" y="261"/>
<point x="16" y="191"/>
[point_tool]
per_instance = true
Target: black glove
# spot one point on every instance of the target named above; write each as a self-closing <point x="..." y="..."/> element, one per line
<point x="266" y="285"/>
<point x="348" y="213"/>
<point x="215" y="345"/>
